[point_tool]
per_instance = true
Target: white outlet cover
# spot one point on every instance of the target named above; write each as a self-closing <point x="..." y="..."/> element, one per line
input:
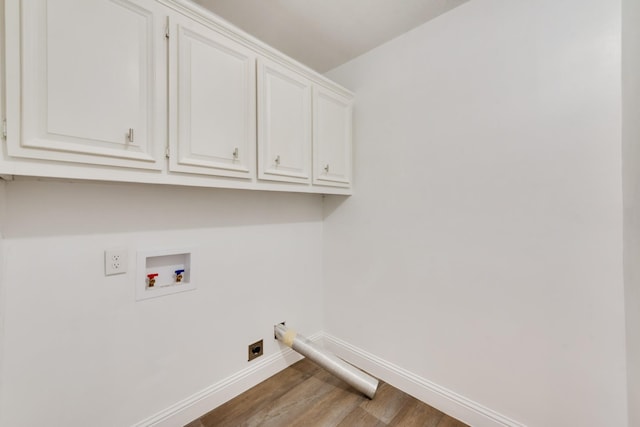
<point x="115" y="261"/>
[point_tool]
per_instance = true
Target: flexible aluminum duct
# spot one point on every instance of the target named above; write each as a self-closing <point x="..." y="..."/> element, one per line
<point x="359" y="380"/>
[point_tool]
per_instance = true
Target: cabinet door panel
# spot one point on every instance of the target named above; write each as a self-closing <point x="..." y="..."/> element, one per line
<point x="332" y="117"/>
<point x="284" y="120"/>
<point x="214" y="88"/>
<point x="91" y="82"/>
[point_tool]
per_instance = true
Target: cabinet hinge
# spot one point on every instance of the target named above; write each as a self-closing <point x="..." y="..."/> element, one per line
<point x="4" y="128"/>
<point x="166" y="152"/>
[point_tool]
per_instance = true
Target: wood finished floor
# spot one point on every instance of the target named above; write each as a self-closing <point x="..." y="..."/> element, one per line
<point x="307" y="395"/>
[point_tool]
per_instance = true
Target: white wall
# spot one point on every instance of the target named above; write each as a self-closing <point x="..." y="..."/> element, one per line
<point x="631" y="189"/>
<point x="79" y="351"/>
<point x="482" y="249"/>
<point x="2" y="272"/>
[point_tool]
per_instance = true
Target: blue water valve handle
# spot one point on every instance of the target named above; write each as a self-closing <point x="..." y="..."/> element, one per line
<point x="178" y="272"/>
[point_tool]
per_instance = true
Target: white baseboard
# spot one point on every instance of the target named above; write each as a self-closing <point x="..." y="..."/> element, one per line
<point x="437" y="396"/>
<point x="216" y="394"/>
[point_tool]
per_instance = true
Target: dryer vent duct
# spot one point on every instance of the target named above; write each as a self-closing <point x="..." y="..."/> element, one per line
<point x="359" y="380"/>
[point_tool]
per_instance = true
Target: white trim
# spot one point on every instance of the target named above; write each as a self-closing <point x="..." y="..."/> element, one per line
<point x="435" y="395"/>
<point x="216" y="394"/>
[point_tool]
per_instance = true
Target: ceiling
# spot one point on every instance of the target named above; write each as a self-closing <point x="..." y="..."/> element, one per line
<point x="323" y="34"/>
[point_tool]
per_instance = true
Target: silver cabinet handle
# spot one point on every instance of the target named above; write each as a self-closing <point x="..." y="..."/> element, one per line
<point x="326" y="168"/>
<point x="235" y="154"/>
<point x="278" y="161"/>
<point x="130" y="135"/>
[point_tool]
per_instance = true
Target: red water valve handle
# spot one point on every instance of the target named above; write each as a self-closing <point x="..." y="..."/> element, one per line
<point x="152" y="279"/>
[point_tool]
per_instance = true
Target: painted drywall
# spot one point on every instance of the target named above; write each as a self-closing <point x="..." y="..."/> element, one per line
<point x="482" y="249"/>
<point x="631" y="191"/>
<point x="2" y="270"/>
<point x="327" y="33"/>
<point x="84" y="353"/>
<point x="2" y="204"/>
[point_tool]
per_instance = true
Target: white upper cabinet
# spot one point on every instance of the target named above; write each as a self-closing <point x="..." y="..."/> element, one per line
<point x="212" y="102"/>
<point x="92" y="81"/>
<point x="332" y="117"/>
<point x="163" y="92"/>
<point x="284" y="124"/>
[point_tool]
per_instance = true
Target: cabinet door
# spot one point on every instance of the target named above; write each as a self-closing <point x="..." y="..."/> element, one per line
<point x="284" y="124"/>
<point x="212" y="103"/>
<point x="92" y="81"/>
<point x="332" y="117"/>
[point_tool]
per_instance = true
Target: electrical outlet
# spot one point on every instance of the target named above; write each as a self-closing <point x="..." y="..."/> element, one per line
<point x="115" y="261"/>
<point x="255" y="350"/>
